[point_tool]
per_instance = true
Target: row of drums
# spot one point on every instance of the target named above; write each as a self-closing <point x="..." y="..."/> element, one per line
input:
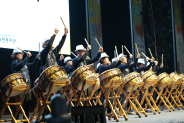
<point x="57" y="77"/>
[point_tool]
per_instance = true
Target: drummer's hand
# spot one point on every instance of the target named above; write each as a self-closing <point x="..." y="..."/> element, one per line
<point x="66" y="31"/>
<point x="131" y="56"/>
<point x="117" y="59"/>
<point x="89" y="47"/>
<point x="155" y="62"/>
<point x="56" y="31"/>
<point x="61" y="57"/>
<point x="100" y="49"/>
<point x="161" y="65"/>
<point x="138" y="55"/>
<point x="132" y="62"/>
<point x="152" y="59"/>
<point x="38" y="56"/>
<point x="28" y="54"/>
<point x="147" y="58"/>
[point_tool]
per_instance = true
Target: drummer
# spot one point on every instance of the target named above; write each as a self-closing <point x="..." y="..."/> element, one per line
<point x="142" y="66"/>
<point x="23" y="67"/>
<point x="125" y="69"/>
<point x="82" y="56"/>
<point x="125" y="66"/>
<point x="68" y="67"/>
<point x="97" y="67"/>
<point x="106" y="65"/>
<point x="49" y="53"/>
<point x="157" y="71"/>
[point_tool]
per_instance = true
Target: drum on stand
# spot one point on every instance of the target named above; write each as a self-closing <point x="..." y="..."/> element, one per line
<point x="149" y="77"/>
<point x="176" y="80"/>
<point x="16" y="81"/>
<point x="163" y="79"/>
<point x="182" y="84"/>
<point x="55" y="74"/>
<point x="85" y="73"/>
<point x="131" y="79"/>
<point x="111" y="75"/>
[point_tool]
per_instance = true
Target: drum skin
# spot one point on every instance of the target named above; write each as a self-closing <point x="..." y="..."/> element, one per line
<point x="85" y="73"/>
<point x="16" y="81"/>
<point x="162" y="79"/>
<point x="131" y="79"/>
<point x="149" y="77"/>
<point x="55" y="74"/>
<point x="111" y="75"/>
<point x="182" y="84"/>
<point x="176" y="79"/>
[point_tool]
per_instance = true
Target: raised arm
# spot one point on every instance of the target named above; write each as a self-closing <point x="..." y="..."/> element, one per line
<point x="45" y="51"/>
<point x="93" y="60"/>
<point x="60" y="45"/>
<point x="35" y="62"/>
<point x="16" y="66"/>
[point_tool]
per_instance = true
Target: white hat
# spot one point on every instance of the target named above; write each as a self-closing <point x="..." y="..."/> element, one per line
<point x="103" y="55"/>
<point x="98" y="65"/>
<point x="68" y="58"/>
<point x="148" y="63"/>
<point x="120" y="55"/>
<point x="44" y="40"/>
<point x="80" y="47"/>
<point x="17" y="51"/>
<point x="114" y="59"/>
<point x="140" y="60"/>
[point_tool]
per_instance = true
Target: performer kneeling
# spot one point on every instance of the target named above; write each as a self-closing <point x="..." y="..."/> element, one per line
<point x="22" y="66"/>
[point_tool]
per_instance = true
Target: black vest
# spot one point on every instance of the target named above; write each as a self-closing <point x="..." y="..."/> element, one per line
<point x="50" y="61"/>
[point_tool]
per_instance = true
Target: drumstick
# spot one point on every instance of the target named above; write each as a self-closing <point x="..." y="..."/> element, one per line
<point x="22" y="50"/>
<point x="127" y="50"/>
<point x="162" y="58"/>
<point x="39" y="47"/>
<point x="143" y="54"/>
<point x="116" y="51"/>
<point x="122" y="49"/>
<point x="137" y="48"/>
<point x="86" y="41"/>
<point x="150" y="52"/>
<point x="114" y="54"/>
<point x="97" y="42"/>
<point x="88" y="57"/>
<point x="74" y="54"/>
<point x="63" y="22"/>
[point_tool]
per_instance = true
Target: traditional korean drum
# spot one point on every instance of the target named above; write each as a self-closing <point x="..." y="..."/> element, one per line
<point x="149" y="78"/>
<point x="15" y="81"/>
<point x="132" y="79"/>
<point x="54" y="74"/>
<point x="85" y="73"/>
<point x="163" y="81"/>
<point x="176" y="80"/>
<point x="111" y="75"/>
<point x="182" y="84"/>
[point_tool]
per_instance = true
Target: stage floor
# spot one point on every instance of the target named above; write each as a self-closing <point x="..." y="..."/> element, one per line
<point x="165" y="116"/>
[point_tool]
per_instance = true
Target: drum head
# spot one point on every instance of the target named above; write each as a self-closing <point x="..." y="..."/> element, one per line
<point x="91" y="78"/>
<point x="62" y="79"/>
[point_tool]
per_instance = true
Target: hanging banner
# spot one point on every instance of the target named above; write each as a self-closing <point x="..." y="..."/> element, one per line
<point x="179" y="35"/>
<point x="138" y="29"/>
<point x="95" y="25"/>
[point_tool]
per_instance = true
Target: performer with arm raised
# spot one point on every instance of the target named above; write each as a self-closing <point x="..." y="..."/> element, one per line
<point x="22" y="66"/>
<point x="82" y="54"/>
<point x="49" y="53"/>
